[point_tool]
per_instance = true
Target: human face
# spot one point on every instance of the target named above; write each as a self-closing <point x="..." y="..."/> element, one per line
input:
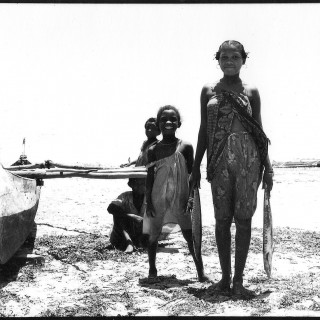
<point x="151" y="129"/>
<point x="139" y="186"/>
<point x="230" y="61"/>
<point x="169" y="122"/>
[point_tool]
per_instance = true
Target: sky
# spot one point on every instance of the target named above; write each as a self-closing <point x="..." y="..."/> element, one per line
<point x="78" y="81"/>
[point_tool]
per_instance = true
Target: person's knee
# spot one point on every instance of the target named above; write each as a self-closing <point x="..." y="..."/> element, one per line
<point x="144" y="240"/>
<point x="187" y="233"/>
<point x="153" y="239"/>
<point x="223" y="224"/>
<point x="243" y="224"/>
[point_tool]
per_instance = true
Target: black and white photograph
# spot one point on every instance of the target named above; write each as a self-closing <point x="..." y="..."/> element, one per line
<point x="159" y="159"/>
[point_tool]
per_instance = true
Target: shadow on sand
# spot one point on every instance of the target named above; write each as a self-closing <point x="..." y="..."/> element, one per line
<point x="10" y="270"/>
<point x="212" y="295"/>
<point x="163" y="282"/>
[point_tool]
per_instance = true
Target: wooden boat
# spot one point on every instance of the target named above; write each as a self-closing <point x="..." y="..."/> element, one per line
<point x="19" y="199"/>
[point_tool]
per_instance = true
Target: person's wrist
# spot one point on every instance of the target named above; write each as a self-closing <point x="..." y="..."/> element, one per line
<point x="196" y="168"/>
<point x="268" y="169"/>
<point x="269" y="173"/>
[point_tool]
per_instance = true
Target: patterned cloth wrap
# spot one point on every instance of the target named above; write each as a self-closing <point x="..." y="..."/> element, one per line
<point x="237" y="178"/>
<point x="221" y="109"/>
<point x="234" y="159"/>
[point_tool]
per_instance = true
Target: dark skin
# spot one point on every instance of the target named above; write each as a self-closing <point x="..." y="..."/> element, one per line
<point x="230" y="62"/>
<point x="138" y="191"/>
<point x="169" y="122"/>
<point x="151" y="131"/>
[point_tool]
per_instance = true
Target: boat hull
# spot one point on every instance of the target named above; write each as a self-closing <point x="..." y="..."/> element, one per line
<point x="19" y="199"/>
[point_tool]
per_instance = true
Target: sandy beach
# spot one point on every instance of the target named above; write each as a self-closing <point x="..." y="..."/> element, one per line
<point x="78" y="274"/>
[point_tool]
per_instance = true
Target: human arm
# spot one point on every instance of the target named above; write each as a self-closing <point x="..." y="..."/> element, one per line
<point x="256" y="113"/>
<point x="187" y="150"/>
<point x="119" y="208"/>
<point x="149" y="183"/>
<point x="115" y="209"/>
<point x="118" y="211"/>
<point x="202" y="140"/>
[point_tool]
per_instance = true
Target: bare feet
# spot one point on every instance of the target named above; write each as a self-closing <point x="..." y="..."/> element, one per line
<point x="222" y="286"/>
<point x="153" y="276"/>
<point x="153" y="273"/>
<point x="204" y="278"/>
<point x="129" y="249"/>
<point x="241" y="292"/>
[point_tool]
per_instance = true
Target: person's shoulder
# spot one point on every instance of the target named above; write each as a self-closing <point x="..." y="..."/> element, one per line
<point x="144" y="145"/>
<point x="186" y="144"/>
<point x="210" y="86"/>
<point x="252" y="92"/>
<point x="125" y="195"/>
<point x="250" y="88"/>
<point x="151" y="152"/>
<point x="122" y="198"/>
<point x="209" y="90"/>
<point x="153" y="146"/>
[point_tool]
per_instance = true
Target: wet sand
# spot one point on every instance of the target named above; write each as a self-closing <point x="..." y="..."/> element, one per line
<point x="80" y="275"/>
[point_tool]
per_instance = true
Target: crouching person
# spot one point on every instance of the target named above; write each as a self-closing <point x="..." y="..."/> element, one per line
<point x="127" y="211"/>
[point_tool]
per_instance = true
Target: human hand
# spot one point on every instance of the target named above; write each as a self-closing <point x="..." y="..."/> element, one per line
<point x="124" y="165"/>
<point x="267" y="180"/>
<point x="195" y="178"/>
<point x="189" y="205"/>
<point x="149" y="209"/>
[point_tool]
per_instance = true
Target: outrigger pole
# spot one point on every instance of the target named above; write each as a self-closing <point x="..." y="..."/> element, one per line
<point x="51" y="170"/>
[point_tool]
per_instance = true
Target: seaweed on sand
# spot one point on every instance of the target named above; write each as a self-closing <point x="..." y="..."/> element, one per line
<point x="82" y="248"/>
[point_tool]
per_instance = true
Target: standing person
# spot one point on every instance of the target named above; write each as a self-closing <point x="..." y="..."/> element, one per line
<point x="167" y="187"/>
<point x="237" y="155"/>
<point x="152" y="131"/>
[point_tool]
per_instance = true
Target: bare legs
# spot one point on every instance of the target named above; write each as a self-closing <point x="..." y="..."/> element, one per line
<point x="242" y="243"/>
<point x="223" y="240"/>
<point x="187" y="234"/>
<point x="121" y="238"/>
<point x="243" y="237"/>
<point x="152" y="251"/>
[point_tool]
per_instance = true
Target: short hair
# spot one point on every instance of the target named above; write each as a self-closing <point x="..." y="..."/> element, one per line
<point x="134" y="181"/>
<point x="167" y="107"/>
<point x="234" y="43"/>
<point x="152" y="119"/>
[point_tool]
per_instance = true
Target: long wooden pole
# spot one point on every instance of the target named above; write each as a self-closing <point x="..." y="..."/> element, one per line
<point x="50" y="164"/>
<point x="91" y="174"/>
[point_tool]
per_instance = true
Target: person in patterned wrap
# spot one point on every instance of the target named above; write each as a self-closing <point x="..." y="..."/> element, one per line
<point x="237" y="157"/>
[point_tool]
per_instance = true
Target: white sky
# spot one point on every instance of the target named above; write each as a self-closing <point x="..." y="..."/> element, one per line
<point x="79" y="80"/>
